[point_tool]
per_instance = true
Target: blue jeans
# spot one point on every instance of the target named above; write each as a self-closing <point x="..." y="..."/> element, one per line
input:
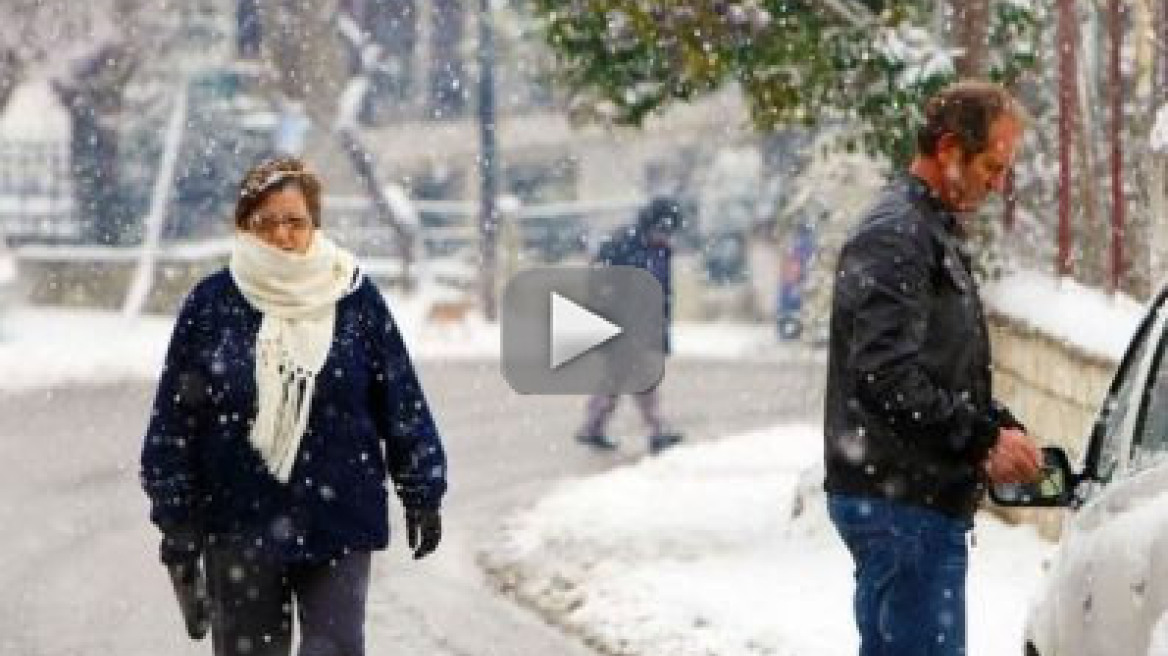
<point x="910" y="576"/>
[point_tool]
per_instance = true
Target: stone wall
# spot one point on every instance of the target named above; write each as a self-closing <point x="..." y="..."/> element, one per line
<point x="1054" y="388"/>
<point x="102" y="282"/>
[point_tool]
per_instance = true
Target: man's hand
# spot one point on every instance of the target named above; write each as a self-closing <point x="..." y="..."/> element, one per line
<point x="1015" y="459"/>
<point x="423" y="530"/>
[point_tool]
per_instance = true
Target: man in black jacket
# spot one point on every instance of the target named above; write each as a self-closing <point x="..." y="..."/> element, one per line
<point x="912" y="431"/>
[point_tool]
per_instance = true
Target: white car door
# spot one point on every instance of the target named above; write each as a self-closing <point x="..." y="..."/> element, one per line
<point x="1103" y="594"/>
<point x="1145" y="497"/>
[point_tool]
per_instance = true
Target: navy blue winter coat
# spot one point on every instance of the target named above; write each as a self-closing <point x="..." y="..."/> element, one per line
<point x="368" y="419"/>
<point x="630" y="247"/>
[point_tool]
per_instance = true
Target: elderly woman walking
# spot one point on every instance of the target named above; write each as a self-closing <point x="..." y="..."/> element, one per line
<point x="286" y="398"/>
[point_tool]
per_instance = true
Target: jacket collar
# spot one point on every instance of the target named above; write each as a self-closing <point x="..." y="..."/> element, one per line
<point x="924" y="197"/>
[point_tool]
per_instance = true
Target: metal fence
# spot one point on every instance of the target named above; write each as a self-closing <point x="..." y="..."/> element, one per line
<point x="547" y="232"/>
<point x="37" y="208"/>
<point x="36" y="193"/>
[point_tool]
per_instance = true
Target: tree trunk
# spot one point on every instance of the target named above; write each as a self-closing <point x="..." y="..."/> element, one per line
<point x="1092" y="250"/>
<point x="1068" y="82"/>
<point x="488" y="162"/>
<point x="448" y="85"/>
<point x="1115" y="98"/>
<point x="248" y="29"/>
<point x="970" y="33"/>
<point x="1139" y="95"/>
<point x="11" y="67"/>
<point x="1158" y="161"/>
<point x="1162" y="47"/>
<point x="93" y="95"/>
<point x="300" y="40"/>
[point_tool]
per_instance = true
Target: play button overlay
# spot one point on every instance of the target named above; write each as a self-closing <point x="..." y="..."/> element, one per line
<point x="583" y="330"/>
<point x="575" y="330"/>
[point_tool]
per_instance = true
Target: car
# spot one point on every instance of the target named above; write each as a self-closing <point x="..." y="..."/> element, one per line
<point x="1106" y="591"/>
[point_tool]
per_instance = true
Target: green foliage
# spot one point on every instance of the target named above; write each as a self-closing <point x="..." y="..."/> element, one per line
<point x="795" y="61"/>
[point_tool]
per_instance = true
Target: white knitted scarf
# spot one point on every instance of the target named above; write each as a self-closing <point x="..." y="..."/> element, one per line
<point x="297" y="295"/>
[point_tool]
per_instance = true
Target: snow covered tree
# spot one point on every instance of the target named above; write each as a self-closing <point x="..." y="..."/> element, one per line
<point x="301" y="42"/>
<point x="863" y="64"/>
<point x="90" y="51"/>
<point x="93" y="94"/>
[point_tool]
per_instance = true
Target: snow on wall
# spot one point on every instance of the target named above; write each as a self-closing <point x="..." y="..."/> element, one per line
<point x="1159" y="137"/>
<point x="1089" y="319"/>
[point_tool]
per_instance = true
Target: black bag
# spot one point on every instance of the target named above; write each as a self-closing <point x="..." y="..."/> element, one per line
<point x="190" y="587"/>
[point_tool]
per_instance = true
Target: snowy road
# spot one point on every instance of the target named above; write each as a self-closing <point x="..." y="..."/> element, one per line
<point x="77" y="566"/>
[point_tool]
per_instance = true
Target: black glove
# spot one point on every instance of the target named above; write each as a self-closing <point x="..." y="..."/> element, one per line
<point x="423" y="530"/>
<point x="181" y="544"/>
<point x="190" y="588"/>
<point x="181" y="550"/>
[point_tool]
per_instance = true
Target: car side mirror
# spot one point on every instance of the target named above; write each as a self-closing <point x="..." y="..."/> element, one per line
<point x="1053" y="489"/>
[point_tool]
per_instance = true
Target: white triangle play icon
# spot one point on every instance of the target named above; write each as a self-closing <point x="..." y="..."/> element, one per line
<point x="575" y="330"/>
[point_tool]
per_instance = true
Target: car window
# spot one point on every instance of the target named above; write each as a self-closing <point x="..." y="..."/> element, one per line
<point x="1151" y="435"/>
<point x="1121" y="400"/>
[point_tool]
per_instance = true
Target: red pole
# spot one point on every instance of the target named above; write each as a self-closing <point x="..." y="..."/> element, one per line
<point x="1162" y="48"/>
<point x="1011" y="203"/>
<point x="1115" y="91"/>
<point x="1066" y="101"/>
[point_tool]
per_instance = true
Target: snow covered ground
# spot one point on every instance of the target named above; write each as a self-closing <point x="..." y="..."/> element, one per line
<point x="725" y="548"/>
<point x="719" y="547"/>
<point x="46" y="347"/>
<point x="42" y="347"/>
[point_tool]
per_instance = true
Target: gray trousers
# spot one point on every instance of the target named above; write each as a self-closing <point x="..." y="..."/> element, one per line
<point x="601" y="407"/>
<point x="252" y="598"/>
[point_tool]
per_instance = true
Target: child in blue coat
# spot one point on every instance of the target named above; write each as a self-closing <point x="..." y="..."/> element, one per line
<point x="645" y="245"/>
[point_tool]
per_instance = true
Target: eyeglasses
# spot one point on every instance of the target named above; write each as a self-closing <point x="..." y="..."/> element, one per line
<point x="267" y="223"/>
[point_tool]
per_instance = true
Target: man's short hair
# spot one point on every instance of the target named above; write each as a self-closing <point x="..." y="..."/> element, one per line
<point x="967" y="109"/>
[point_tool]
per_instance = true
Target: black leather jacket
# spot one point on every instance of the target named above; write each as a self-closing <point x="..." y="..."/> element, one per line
<point x="909" y="410"/>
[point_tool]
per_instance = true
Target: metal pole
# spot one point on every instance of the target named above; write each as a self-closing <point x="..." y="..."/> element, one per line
<point x="139" y="290"/>
<point x="1066" y="102"/>
<point x="1010" y="202"/>
<point x="488" y="161"/>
